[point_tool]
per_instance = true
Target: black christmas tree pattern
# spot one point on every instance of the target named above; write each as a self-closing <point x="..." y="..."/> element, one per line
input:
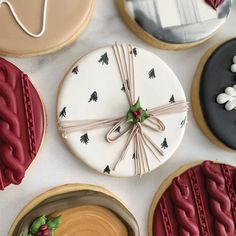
<point x="152" y="74"/>
<point x="164" y="144"/>
<point x="93" y="97"/>
<point x="183" y="122"/>
<point x="75" y="70"/>
<point x="172" y="99"/>
<point x="84" y="138"/>
<point x="107" y="170"/>
<point x="104" y="59"/>
<point x="63" y="113"/>
<point x="123" y="86"/>
<point x="118" y="129"/>
<point x="134" y="51"/>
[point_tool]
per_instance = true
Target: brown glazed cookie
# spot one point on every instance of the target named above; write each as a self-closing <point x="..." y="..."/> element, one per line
<point x="87" y="209"/>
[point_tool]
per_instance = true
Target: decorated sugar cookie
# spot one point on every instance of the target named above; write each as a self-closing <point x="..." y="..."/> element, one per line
<point x="122" y="110"/>
<point x="214" y="95"/>
<point x="196" y="200"/>
<point x="42" y="26"/>
<point x="174" y="24"/>
<point x="22" y="124"/>
<point x="75" y="210"/>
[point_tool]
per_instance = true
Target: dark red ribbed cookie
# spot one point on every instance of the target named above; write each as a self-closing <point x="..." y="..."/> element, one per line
<point x="22" y="124"/>
<point x="199" y="202"/>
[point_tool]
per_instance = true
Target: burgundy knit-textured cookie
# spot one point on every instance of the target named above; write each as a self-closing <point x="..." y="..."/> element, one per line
<point x="22" y="124"/>
<point x="199" y="202"/>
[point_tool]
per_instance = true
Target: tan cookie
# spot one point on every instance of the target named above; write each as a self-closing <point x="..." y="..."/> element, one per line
<point x="35" y="28"/>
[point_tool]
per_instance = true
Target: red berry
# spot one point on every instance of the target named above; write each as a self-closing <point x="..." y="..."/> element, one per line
<point x="137" y="114"/>
<point x="43" y="231"/>
<point x="43" y="227"/>
<point x="38" y="234"/>
<point x="46" y="233"/>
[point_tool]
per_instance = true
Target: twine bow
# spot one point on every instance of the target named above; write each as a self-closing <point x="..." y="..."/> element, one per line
<point x="135" y="130"/>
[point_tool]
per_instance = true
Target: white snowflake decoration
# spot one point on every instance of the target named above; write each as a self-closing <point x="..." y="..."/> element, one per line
<point x="228" y="98"/>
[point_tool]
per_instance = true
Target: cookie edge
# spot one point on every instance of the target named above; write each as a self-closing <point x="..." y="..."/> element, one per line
<point x="138" y="31"/>
<point x="68" y="42"/>
<point x="195" y="98"/>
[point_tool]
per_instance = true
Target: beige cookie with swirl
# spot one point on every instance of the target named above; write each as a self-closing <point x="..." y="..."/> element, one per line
<point x="30" y="28"/>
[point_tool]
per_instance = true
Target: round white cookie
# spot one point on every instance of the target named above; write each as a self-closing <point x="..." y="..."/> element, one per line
<point x="93" y="89"/>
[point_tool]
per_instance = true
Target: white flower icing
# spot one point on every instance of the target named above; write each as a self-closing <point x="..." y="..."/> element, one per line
<point x="228" y="98"/>
<point x="233" y="67"/>
<point x="234" y="59"/>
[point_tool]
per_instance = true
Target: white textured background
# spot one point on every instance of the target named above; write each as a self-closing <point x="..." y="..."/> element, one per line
<point x="56" y="166"/>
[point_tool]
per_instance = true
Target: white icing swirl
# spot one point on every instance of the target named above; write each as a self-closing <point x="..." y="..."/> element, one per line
<point x="23" y="27"/>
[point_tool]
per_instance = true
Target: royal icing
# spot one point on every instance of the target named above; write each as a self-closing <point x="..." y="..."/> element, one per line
<point x="19" y="22"/>
<point x="34" y="26"/>
<point x="217" y="86"/>
<point x="229" y="96"/>
<point x="74" y="208"/>
<point x="185" y="21"/>
<point x="233" y="66"/>
<point x="99" y="123"/>
<point x="79" y="219"/>
<point x="20" y="110"/>
<point x="43" y="226"/>
<point x="201" y="201"/>
<point x="215" y="3"/>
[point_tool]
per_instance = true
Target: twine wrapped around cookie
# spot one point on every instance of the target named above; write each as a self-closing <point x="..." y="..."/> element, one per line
<point x="134" y="122"/>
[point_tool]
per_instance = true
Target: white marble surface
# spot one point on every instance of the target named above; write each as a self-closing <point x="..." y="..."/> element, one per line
<point x="56" y="166"/>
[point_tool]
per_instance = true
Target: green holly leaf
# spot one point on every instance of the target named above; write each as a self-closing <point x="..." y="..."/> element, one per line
<point x="25" y="234"/>
<point x="136" y="106"/>
<point x="54" y="223"/>
<point x="144" y="116"/>
<point x="130" y="117"/>
<point x="134" y="118"/>
<point x="37" y="223"/>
